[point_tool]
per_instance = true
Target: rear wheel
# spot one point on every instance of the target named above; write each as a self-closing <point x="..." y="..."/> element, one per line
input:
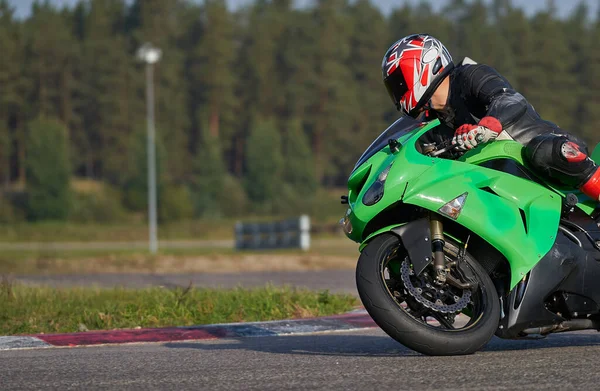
<point x="420" y="313"/>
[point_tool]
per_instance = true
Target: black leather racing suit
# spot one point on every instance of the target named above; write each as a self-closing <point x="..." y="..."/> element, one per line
<point x="477" y="91"/>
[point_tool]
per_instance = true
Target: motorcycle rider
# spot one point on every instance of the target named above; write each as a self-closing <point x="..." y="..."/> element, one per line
<point x="480" y="106"/>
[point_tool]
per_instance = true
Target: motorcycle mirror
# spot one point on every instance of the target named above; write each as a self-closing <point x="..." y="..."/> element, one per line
<point x="394" y="145"/>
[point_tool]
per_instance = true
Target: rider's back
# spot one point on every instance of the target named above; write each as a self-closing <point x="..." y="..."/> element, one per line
<point x="478" y="90"/>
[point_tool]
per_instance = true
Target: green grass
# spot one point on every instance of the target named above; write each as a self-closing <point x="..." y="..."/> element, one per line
<point x="333" y="246"/>
<point x="124" y="232"/>
<point x="30" y="310"/>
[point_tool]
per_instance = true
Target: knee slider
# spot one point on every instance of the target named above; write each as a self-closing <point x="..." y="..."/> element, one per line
<point x="560" y="159"/>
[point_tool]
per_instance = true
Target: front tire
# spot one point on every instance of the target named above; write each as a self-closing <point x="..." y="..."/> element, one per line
<point x="390" y="304"/>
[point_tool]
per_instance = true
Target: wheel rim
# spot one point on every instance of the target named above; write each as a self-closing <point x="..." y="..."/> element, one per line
<point x="466" y="318"/>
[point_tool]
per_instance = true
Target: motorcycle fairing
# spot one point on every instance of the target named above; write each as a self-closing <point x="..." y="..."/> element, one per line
<point x="566" y="268"/>
<point x="516" y="216"/>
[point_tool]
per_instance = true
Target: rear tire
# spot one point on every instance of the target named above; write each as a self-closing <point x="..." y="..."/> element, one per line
<point x="397" y="321"/>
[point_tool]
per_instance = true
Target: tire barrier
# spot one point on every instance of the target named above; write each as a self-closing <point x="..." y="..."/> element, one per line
<point x="291" y="233"/>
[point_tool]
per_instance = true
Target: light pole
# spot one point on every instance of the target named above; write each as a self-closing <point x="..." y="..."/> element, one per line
<point x="150" y="55"/>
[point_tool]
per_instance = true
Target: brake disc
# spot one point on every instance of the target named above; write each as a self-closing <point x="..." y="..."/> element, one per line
<point x="438" y="305"/>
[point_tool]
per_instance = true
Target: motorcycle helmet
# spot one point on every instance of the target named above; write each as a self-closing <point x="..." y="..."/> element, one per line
<point x="413" y="68"/>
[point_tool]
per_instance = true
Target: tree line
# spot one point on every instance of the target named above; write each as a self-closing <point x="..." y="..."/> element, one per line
<point x="256" y="110"/>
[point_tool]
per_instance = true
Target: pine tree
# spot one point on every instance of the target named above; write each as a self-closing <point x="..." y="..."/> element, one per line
<point x="364" y="63"/>
<point x="212" y="66"/>
<point x="587" y="122"/>
<point x="402" y="22"/>
<point x="136" y="172"/>
<point x="173" y="199"/>
<point x="298" y="171"/>
<point x="551" y="90"/>
<point x="297" y="57"/>
<point x="500" y="10"/>
<point x="48" y="51"/>
<point x="11" y="99"/>
<point x="112" y="108"/>
<point x="208" y="176"/>
<point x="501" y="57"/>
<point x="440" y="25"/>
<point x="226" y="78"/>
<point x="582" y="47"/>
<point x="519" y="35"/>
<point x="296" y="69"/>
<point x="263" y="73"/>
<point x="335" y="103"/>
<point x="265" y="29"/>
<point x="51" y="54"/>
<point x="212" y="51"/>
<point x="48" y="171"/>
<point x="264" y="163"/>
<point x="475" y="35"/>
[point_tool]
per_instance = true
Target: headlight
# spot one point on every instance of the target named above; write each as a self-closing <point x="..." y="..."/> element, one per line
<point x="346" y="223"/>
<point x="375" y="192"/>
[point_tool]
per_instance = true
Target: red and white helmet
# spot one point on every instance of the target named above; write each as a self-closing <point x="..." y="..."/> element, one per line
<point x="413" y="68"/>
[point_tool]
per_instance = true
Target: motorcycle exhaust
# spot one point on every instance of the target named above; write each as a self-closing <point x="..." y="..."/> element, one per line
<point x="568" y="325"/>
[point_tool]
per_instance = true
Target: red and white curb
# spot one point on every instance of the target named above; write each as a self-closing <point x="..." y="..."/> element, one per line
<point x="351" y="321"/>
<point x="7" y="343"/>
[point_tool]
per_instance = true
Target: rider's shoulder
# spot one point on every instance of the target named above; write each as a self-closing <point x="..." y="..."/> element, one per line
<point x="470" y="68"/>
<point x="467" y="61"/>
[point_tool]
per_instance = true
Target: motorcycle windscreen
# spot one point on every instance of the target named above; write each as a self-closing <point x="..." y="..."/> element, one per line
<point x="399" y="128"/>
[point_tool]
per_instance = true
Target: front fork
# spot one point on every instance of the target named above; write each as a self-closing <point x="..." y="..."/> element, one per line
<point x="437" y="245"/>
<point x="439" y="259"/>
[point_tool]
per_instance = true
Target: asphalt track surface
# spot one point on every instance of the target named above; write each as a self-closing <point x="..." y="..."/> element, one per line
<point x="334" y="361"/>
<point x="330" y="361"/>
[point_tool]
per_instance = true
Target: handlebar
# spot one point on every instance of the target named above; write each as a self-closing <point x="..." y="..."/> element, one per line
<point x="444" y="150"/>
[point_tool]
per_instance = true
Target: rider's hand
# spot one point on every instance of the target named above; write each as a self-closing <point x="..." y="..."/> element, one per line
<point x="469" y="136"/>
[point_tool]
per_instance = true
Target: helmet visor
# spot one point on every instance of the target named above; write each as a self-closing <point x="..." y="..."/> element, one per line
<point x="396" y="87"/>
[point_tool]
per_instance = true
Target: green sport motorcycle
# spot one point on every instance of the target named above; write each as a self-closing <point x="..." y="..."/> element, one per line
<point x="456" y="247"/>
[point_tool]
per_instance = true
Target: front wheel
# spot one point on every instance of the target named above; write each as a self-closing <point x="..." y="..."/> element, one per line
<point x="417" y="311"/>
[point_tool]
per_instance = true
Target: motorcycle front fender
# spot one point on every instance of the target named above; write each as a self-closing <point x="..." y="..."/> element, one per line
<point x="415" y="237"/>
